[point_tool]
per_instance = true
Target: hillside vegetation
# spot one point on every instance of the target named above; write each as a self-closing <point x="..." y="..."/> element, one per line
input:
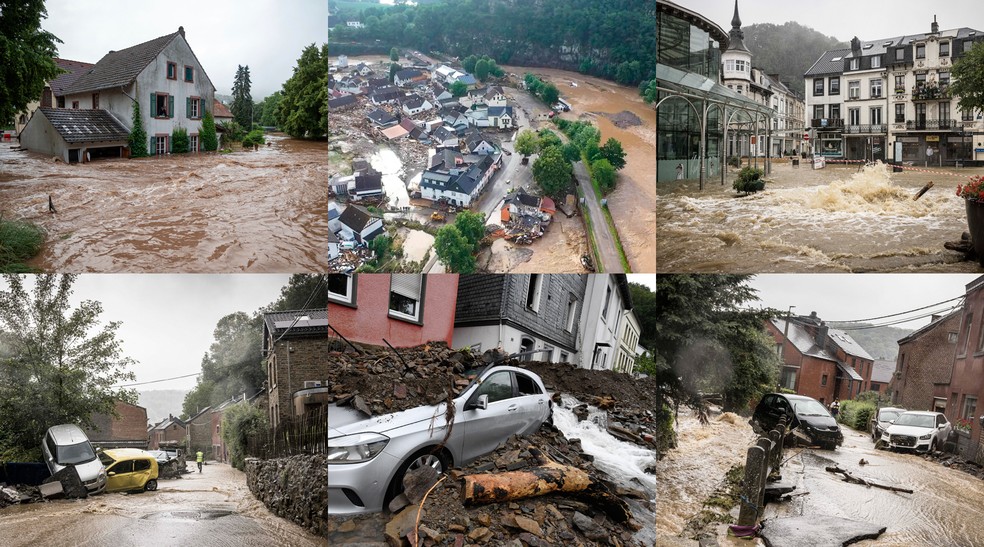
<point x="614" y="39"/>
<point x="789" y="49"/>
<point x="880" y="343"/>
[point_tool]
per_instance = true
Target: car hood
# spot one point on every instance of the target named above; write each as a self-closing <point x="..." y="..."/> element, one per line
<point x="909" y="430"/>
<point x="819" y="422"/>
<point x="89" y="470"/>
<point x="345" y="420"/>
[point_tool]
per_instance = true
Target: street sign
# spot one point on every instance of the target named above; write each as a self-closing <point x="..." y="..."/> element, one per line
<point x="806" y="136"/>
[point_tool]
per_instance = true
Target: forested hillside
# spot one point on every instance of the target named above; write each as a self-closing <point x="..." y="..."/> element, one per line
<point x="789" y="49"/>
<point x="614" y="39"/>
<point x="880" y="343"/>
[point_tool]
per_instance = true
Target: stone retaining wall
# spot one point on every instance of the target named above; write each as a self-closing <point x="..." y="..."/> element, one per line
<point x="295" y="488"/>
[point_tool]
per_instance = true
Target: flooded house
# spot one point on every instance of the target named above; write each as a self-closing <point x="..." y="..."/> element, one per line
<point x="162" y="75"/>
<point x="53" y="94"/>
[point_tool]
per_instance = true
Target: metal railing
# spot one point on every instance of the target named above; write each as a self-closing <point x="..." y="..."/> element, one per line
<point x="928" y="92"/>
<point x="298" y="435"/>
<point x="871" y="128"/>
<point x="763" y="458"/>
<point x="827" y="122"/>
<point x="932" y="124"/>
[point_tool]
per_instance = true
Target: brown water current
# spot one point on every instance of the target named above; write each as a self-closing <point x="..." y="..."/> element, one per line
<point x="833" y="219"/>
<point x="256" y="211"/>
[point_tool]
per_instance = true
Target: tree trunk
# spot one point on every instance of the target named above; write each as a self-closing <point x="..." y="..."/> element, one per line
<point x="548" y="477"/>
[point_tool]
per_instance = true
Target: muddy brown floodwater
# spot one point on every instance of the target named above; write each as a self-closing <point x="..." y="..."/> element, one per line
<point x="257" y="211"/>
<point x="833" y="219"/>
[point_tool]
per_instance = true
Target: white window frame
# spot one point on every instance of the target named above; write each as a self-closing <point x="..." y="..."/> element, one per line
<point x="876" y="62"/>
<point x="348" y="297"/>
<point x="854" y="89"/>
<point x="537" y="292"/>
<point x="571" y="314"/>
<point x="409" y="286"/>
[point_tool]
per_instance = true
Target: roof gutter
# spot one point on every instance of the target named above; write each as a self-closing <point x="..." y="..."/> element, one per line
<point x="123" y="91"/>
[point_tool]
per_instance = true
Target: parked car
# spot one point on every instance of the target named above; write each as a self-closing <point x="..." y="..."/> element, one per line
<point x="129" y="469"/>
<point x="368" y="457"/>
<point x="882" y="419"/>
<point x="803" y="414"/>
<point x="918" y="430"/>
<point x="66" y="444"/>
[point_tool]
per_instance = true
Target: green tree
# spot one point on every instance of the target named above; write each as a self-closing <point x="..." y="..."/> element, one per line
<point x="303" y="109"/>
<point x="550" y="94"/>
<point x="381" y="246"/>
<point x="526" y="143"/>
<point x="210" y="140"/>
<point x="138" y="135"/>
<point x="968" y="76"/>
<point x="394" y="54"/>
<point x="482" y="70"/>
<point x="612" y="151"/>
<point x="644" y="306"/>
<point x="547" y="139"/>
<point x="571" y="152"/>
<point x="394" y="68"/>
<point x="58" y="363"/>
<point x="302" y="292"/>
<point x="604" y="174"/>
<point x="649" y="93"/>
<point x="458" y="89"/>
<point x="271" y="107"/>
<point x="468" y="63"/>
<point x="27" y="55"/>
<point x="495" y="70"/>
<point x="472" y="226"/>
<point x="242" y="101"/>
<point x="552" y="172"/>
<point x="179" y="140"/>
<point x="454" y="250"/>
<point x="239" y="423"/>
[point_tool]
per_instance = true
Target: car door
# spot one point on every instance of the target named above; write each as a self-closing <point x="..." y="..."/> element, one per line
<point x="942" y="430"/>
<point x="533" y="403"/>
<point x="485" y="428"/>
<point x="120" y="475"/>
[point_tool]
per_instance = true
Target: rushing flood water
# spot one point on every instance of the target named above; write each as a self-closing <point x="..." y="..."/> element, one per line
<point x="833" y="219"/>
<point x="416" y="244"/>
<point x="625" y="463"/>
<point x="388" y="163"/>
<point x="262" y="211"/>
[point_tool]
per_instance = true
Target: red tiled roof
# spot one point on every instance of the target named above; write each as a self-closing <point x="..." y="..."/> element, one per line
<point x="220" y="110"/>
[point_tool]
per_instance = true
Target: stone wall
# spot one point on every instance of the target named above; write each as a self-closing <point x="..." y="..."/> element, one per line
<point x="294" y="488"/>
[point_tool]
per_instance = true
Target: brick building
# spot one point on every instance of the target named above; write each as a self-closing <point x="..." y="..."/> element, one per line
<point x="169" y="432"/>
<point x="404" y="309"/>
<point x="199" y="431"/>
<point x="966" y="385"/>
<point x="818" y="361"/>
<point x="295" y="347"/>
<point x="128" y="429"/>
<point x="925" y="364"/>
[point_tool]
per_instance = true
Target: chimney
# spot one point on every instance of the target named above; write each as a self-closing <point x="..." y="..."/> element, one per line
<point x="855" y="46"/>
<point x="181" y="31"/>
<point x="935" y="26"/>
<point x="822" y="335"/>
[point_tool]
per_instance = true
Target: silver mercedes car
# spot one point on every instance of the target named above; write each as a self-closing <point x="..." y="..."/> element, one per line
<point x="368" y="457"/>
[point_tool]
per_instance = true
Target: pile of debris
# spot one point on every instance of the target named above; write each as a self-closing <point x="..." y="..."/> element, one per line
<point x="956" y="462"/>
<point x="350" y="259"/>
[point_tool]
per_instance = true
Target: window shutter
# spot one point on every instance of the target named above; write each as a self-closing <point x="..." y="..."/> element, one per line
<point x="407" y="285"/>
<point x="170" y="106"/>
<point x="153" y="105"/>
<point x="188" y="107"/>
<point x="168" y="138"/>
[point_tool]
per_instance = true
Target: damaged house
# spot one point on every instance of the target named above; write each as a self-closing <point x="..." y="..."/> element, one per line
<point x="163" y="75"/>
<point x="450" y="178"/>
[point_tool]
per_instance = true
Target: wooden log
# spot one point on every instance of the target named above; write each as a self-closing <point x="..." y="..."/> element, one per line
<point x="548" y="477"/>
<point x="857" y="480"/>
<point x="923" y="191"/>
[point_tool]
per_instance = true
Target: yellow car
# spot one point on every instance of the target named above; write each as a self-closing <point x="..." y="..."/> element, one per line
<point x="129" y="469"/>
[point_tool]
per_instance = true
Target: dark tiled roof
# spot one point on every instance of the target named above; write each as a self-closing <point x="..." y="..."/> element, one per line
<point x="74" y="70"/>
<point x="381" y="117"/>
<point x="344" y="100"/>
<point x="413" y="101"/>
<point x="500" y="110"/>
<point x="278" y="322"/>
<point x="826" y="65"/>
<point x="368" y="182"/>
<point x="76" y="125"/>
<point x="356" y="217"/>
<point x="408" y="73"/>
<point x="118" y="68"/>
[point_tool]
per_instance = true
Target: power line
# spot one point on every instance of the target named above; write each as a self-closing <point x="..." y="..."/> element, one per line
<point x="900" y="313"/>
<point x="900" y="321"/>
<point x="157" y="381"/>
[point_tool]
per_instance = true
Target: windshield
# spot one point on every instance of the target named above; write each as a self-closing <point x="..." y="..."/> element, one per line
<point x="888" y="415"/>
<point x="75" y="454"/>
<point x="810" y="408"/>
<point x="916" y="420"/>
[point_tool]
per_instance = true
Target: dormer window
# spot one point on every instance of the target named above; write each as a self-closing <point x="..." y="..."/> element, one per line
<point x="172" y="71"/>
<point x="944" y="49"/>
<point x="855" y="63"/>
<point x="900" y="54"/>
<point x="876" y="61"/>
<point x="920" y="51"/>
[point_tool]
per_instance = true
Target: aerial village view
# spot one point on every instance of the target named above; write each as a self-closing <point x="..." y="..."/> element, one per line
<point x="461" y="142"/>
<point x="165" y="147"/>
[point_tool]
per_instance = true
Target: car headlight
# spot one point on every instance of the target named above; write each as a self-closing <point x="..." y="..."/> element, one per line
<point x="102" y="475"/>
<point x="360" y="447"/>
<point x="926" y="437"/>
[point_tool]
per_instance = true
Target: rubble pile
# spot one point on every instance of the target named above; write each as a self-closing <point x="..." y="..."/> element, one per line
<point x="18" y="493"/>
<point x="956" y="462"/>
<point x="284" y="486"/>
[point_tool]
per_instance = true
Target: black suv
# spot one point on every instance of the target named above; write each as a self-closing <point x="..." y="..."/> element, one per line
<point x="805" y="414"/>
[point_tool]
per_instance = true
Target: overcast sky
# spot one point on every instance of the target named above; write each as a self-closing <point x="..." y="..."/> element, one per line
<point x="267" y="36"/>
<point x="168" y="319"/>
<point x="846" y="297"/>
<point x="844" y="19"/>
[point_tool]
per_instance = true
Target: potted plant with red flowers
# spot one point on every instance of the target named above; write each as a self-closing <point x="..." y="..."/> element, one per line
<point x="973" y="194"/>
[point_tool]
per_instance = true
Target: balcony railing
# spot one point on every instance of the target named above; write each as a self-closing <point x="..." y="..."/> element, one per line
<point x="830" y="123"/>
<point x="930" y="92"/>
<point x="871" y="128"/>
<point x="932" y="125"/>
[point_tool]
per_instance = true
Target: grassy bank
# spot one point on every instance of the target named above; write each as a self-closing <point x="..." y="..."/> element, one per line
<point x="608" y="217"/>
<point x="19" y="242"/>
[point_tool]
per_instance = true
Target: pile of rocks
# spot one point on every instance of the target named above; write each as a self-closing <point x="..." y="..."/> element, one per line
<point x="288" y="487"/>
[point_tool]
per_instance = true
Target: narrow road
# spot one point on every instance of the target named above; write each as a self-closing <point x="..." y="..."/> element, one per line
<point x="210" y="508"/>
<point x="607" y="252"/>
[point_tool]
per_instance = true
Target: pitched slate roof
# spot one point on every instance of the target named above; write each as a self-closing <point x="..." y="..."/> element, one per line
<point x="408" y="73"/>
<point x="76" y="125"/>
<point x="368" y="182"/>
<point x="118" y="68"/>
<point x="356" y="217"/>
<point x="826" y="64"/>
<point x="279" y="322"/>
<point x="344" y="100"/>
<point x="414" y="101"/>
<point x="498" y="111"/>
<point x="381" y="117"/>
<point x="73" y="69"/>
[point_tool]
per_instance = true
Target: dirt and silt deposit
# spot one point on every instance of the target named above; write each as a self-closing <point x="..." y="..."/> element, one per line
<point x="581" y="436"/>
<point x="255" y="211"/>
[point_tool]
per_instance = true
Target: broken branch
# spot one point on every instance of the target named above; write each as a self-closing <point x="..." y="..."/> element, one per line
<point x="857" y="480"/>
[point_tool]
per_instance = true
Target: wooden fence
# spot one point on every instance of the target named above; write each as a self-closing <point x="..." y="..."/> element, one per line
<point x="299" y="435"/>
<point x="763" y="458"/>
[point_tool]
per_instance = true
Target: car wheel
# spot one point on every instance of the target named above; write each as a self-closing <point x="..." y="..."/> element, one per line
<point x="151" y="485"/>
<point x="426" y="456"/>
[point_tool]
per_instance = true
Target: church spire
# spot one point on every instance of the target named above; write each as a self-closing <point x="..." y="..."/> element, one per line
<point x="736" y="36"/>
<point x="736" y="21"/>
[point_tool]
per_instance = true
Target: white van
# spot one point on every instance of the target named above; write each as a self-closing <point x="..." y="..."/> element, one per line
<point x="65" y="445"/>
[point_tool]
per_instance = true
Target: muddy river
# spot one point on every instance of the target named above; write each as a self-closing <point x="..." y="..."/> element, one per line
<point x="632" y="204"/>
<point x="832" y="219"/>
<point x="211" y="508"/>
<point x="262" y="211"/>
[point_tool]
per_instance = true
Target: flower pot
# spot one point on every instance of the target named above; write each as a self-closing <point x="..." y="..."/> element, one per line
<point x="975" y="225"/>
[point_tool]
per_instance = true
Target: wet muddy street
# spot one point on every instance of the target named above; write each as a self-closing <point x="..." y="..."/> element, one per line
<point x="211" y="508"/>
<point x="257" y="211"/>
<point x="832" y="219"/>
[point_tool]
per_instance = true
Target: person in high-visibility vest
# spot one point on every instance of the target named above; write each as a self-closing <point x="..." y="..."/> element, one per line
<point x="200" y="458"/>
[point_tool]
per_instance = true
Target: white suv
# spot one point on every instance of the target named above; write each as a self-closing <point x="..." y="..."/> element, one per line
<point x="918" y="430"/>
